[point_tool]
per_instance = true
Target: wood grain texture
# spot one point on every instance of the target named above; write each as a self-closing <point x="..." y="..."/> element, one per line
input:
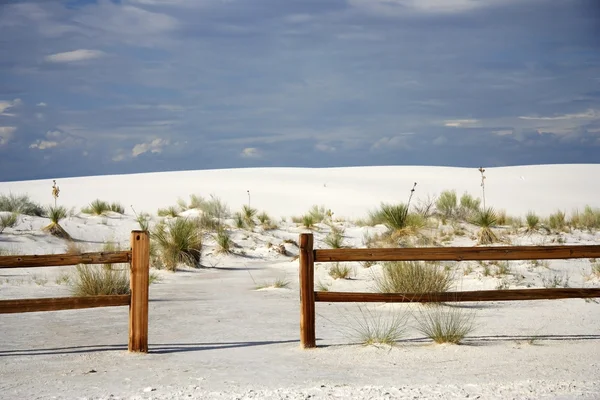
<point x="62" y="303"/>
<point x="459" y="253"/>
<point x="139" y="281"/>
<point x="480" y="295"/>
<point x="307" y="291"/>
<point x="56" y="260"/>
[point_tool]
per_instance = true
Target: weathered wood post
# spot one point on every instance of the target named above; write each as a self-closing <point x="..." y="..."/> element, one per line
<point x="307" y="292"/>
<point x="139" y="281"/>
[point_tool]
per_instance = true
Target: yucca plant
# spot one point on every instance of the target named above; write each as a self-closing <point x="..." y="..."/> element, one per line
<point x="413" y="277"/>
<point x="238" y="220"/>
<point x="93" y="280"/>
<point x="485" y="219"/>
<point x="143" y="220"/>
<point x="96" y="207"/>
<point x="394" y="216"/>
<point x="335" y="238"/>
<point x="8" y="220"/>
<point x="444" y="325"/>
<point x="56" y="213"/>
<point x="263" y="218"/>
<point x="178" y="241"/>
<point x="248" y="213"/>
<point x="308" y="221"/>
<point x="318" y="213"/>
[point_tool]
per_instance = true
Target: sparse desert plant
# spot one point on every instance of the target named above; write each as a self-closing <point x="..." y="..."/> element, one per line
<point x="555" y="280"/>
<point x="196" y="201"/>
<point x="446" y="204"/>
<point x="263" y="218"/>
<point x="238" y="220"/>
<point x="170" y="211"/>
<point x="318" y="213"/>
<point x="143" y="220"/>
<point x="96" y="207"/>
<point x="214" y="208"/>
<point x="557" y="221"/>
<point x="8" y="220"/>
<point x="277" y="283"/>
<point x="56" y="213"/>
<point x="596" y="269"/>
<point x="209" y="223"/>
<point x="413" y="277"/>
<point x="248" y="213"/>
<point x="589" y="219"/>
<point x="469" y="206"/>
<point x="445" y="324"/>
<point x="178" y="241"/>
<point x="63" y="279"/>
<point x="503" y="268"/>
<point x="335" y="238"/>
<point x="20" y="204"/>
<point x="425" y="207"/>
<point x="308" y="221"/>
<point x="117" y="208"/>
<point x="93" y="280"/>
<point x="340" y="271"/>
<point x="224" y="242"/>
<point x="374" y="328"/>
<point x="322" y="287"/>
<point x="485" y="219"/>
<point x="502" y="218"/>
<point x="394" y="217"/>
<point x="533" y="222"/>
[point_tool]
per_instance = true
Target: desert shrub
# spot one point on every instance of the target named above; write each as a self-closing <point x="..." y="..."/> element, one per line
<point x="56" y="213"/>
<point x="143" y="220"/>
<point x="208" y="223"/>
<point x="248" y="213"/>
<point x="318" y="213"/>
<point x="178" y="241"/>
<point x="394" y="217"/>
<point x="485" y="219"/>
<point x="502" y="218"/>
<point x="413" y="277"/>
<point x="238" y="220"/>
<point x="557" y="221"/>
<point x="214" y="208"/>
<point x="589" y="219"/>
<point x="425" y="207"/>
<point x="20" y="204"/>
<point x="533" y="222"/>
<point x="168" y="212"/>
<point x="372" y="328"/>
<point x="340" y="271"/>
<point x="277" y="283"/>
<point x="446" y="203"/>
<point x="93" y="280"/>
<point x="263" y="218"/>
<point x="335" y="238"/>
<point x="117" y="208"/>
<point x="8" y="220"/>
<point x="308" y="221"/>
<point x="469" y="206"/>
<point x="96" y="207"/>
<point x="224" y="242"/>
<point x="445" y="325"/>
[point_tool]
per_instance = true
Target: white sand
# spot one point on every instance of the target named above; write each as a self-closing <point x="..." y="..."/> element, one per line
<point x="213" y="336"/>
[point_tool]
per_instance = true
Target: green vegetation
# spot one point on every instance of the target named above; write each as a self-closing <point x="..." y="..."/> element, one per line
<point x="372" y="328"/>
<point x="97" y="207"/>
<point x="485" y="219"/>
<point x="20" y="204"/>
<point x="177" y="241"/>
<point x="93" y="280"/>
<point x="8" y="221"/>
<point x="413" y="277"/>
<point x="335" y="238"/>
<point x="340" y="271"/>
<point x="444" y="325"/>
<point x="56" y="213"/>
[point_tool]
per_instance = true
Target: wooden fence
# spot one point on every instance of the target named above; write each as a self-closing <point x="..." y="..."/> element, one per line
<point x="308" y="257"/>
<point x="138" y="258"/>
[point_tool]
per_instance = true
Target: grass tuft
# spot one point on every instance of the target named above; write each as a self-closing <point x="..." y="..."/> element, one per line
<point x="445" y="325"/>
<point x="335" y="238"/>
<point x="8" y="220"/>
<point x="372" y="328"/>
<point x="97" y="207"/>
<point x="178" y="241"/>
<point x="485" y="219"/>
<point x="224" y="242"/>
<point x="93" y="280"/>
<point x="56" y="213"/>
<point x="340" y="271"/>
<point x="413" y="277"/>
<point x="20" y="204"/>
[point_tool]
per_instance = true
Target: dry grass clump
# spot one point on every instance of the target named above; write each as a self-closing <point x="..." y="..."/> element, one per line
<point x="177" y="241"/>
<point x="20" y="204"/>
<point x="485" y="219"/>
<point x="340" y="271"/>
<point x="277" y="283"/>
<point x="446" y="204"/>
<point x="56" y="213"/>
<point x="319" y="213"/>
<point x="223" y="241"/>
<point x="589" y="219"/>
<point x="444" y="324"/>
<point x="469" y="206"/>
<point x="372" y="328"/>
<point x="557" y="221"/>
<point x="413" y="277"/>
<point x="94" y="280"/>
<point x="97" y="207"/>
<point x="8" y="221"/>
<point x="170" y="211"/>
<point x="533" y="222"/>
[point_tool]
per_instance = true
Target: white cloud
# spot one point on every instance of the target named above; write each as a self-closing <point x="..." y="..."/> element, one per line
<point x="460" y="123"/>
<point x="325" y="148"/>
<point x="503" y="132"/>
<point x="440" y="140"/>
<point x="6" y="133"/>
<point x="155" y="146"/>
<point x="41" y="104"/>
<point x="43" y="144"/>
<point x="251" y="152"/>
<point x="394" y="142"/>
<point x="589" y="114"/>
<point x="402" y="7"/>
<point x="5" y="105"/>
<point x="75" y="56"/>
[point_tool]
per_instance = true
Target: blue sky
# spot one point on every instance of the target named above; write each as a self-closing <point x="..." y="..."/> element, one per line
<point x="104" y="87"/>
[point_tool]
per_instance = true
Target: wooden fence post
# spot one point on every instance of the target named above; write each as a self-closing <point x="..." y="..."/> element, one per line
<point x="307" y="292"/>
<point x="139" y="281"/>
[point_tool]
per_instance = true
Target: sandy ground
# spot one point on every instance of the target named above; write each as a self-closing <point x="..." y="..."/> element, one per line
<point x="213" y="335"/>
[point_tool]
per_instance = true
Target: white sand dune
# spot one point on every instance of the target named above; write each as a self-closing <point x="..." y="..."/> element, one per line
<point x="213" y="336"/>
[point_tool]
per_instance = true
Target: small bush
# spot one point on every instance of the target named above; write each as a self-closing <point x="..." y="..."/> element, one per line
<point x="178" y="241"/>
<point x="209" y="223"/>
<point x="589" y="219"/>
<point x="413" y="277"/>
<point x="143" y="220"/>
<point x="394" y="217"/>
<point x="93" y="280"/>
<point x="340" y="271"/>
<point x="117" y="208"/>
<point x="318" y="213"/>
<point x="214" y="208"/>
<point x="8" y="221"/>
<point x="533" y="222"/>
<point x="278" y="283"/>
<point x="373" y="329"/>
<point x="485" y="219"/>
<point x="248" y="213"/>
<point x="96" y="207"/>
<point x="56" y="214"/>
<point x="238" y="220"/>
<point x="20" y="204"/>
<point x="224" y="242"/>
<point x="446" y="203"/>
<point x="308" y="221"/>
<point x="335" y="238"/>
<point x="445" y="325"/>
<point x="171" y="211"/>
<point x="557" y="221"/>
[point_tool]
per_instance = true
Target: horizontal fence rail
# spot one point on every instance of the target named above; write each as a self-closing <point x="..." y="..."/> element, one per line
<point x="308" y="257"/>
<point x="138" y="258"/>
<point x="59" y="260"/>
<point x="459" y="253"/>
<point x="63" y="303"/>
